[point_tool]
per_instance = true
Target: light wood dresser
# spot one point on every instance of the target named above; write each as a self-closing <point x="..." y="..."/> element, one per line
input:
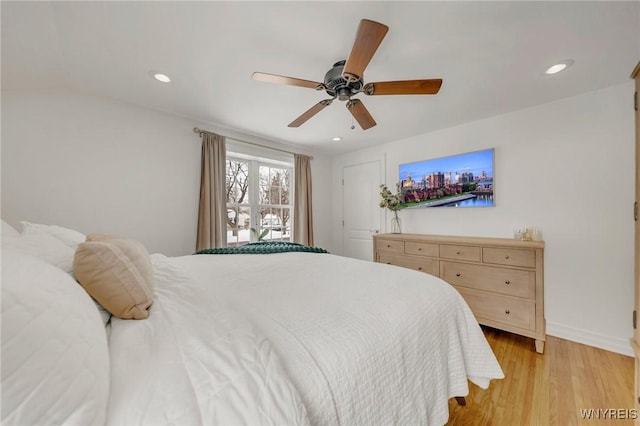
<point x="501" y="279"/>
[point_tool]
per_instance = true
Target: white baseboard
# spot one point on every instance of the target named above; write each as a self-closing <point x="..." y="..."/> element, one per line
<point x="586" y="337"/>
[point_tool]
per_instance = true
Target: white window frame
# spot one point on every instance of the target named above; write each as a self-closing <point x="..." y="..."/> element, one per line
<point x="254" y="163"/>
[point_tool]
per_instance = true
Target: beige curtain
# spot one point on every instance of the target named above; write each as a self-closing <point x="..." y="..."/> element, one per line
<point x="212" y="214"/>
<point x="302" y="212"/>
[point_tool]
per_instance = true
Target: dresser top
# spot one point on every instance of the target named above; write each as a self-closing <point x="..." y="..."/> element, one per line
<point x="452" y="239"/>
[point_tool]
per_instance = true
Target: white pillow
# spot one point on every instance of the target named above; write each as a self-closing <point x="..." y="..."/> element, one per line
<point x="40" y="244"/>
<point x="8" y="230"/>
<point x="105" y="315"/>
<point x="55" y="359"/>
<point x="68" y="236"/>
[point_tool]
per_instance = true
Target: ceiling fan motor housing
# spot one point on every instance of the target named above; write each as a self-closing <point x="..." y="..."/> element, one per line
<point x="338" y="86"/>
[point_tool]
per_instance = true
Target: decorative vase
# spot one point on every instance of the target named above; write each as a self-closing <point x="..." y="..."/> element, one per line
<point x="396" y="227"/>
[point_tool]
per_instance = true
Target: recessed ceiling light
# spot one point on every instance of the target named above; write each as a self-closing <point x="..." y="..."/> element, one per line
<point x="337" y="139"/>
<point x="162" y="77"/>
<point x="554" y="69"/>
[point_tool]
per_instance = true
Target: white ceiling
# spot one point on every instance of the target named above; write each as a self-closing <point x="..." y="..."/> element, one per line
<point x="491" y="56"/>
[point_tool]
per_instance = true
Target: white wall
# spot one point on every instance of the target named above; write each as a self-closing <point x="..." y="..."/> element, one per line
<point x="97" y="164"/>
<point x="566" y="167"/>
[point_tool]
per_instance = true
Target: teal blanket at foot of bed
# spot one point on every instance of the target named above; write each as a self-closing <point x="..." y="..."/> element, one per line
<point x="263" y="247"/>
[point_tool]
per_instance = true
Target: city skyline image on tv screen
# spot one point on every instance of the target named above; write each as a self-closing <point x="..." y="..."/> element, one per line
<point x="462" y="180"/>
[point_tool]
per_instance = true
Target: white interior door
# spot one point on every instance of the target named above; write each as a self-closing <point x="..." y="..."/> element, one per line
<point x="361" y="208"/>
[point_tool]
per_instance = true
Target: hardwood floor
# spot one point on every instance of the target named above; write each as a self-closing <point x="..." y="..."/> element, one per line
<point x="549" y="389"/>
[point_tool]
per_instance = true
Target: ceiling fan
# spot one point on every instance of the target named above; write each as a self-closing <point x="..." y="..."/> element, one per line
<point x="345" y="79"/>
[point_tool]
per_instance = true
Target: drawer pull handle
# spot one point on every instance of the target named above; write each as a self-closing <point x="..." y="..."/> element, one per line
<point x="457" y="252"/>
<point x="507" y="282"/>
<point x="506" y="257"/>
<point x="419" y="248"/>
<point x="388" y="263"/>
<point x="506" y="311"/>
<point x="458" y="274"/>
<point x="388" y="245"/>
<point x="420" y="268"/>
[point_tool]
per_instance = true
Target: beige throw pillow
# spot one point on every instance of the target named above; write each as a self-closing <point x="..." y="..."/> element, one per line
<point x="116" y="272"/>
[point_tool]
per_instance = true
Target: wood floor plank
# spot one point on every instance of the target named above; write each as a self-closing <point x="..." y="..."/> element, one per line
<point x="549" y="389"/>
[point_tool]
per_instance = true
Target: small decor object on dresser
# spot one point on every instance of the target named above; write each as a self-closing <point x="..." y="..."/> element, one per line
<point x="527" y="233"/>
<point x="391" y="201"/>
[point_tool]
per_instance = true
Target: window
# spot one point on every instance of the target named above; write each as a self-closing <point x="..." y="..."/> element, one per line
<point x="259" y="199"/>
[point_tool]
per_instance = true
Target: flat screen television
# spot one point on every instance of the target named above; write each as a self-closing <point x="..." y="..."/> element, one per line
<point x="462" y="180"/>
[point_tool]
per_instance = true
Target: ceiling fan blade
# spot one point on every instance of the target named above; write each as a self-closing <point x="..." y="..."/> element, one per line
<point x="368" y="38"/>
<point x="406" y="87"/>
<point x="361" y="114"/>
<point x="290" y="81"/>
<point x="310" y="112"/>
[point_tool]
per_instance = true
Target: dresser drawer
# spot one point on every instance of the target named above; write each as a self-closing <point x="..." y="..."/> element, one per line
<point x="502" y="309"/>
<point x="393" y="246"/>
<point x="421" y="249"/>
<point x="422" y="264"/>
<point x="449" y="251"/>
<point x="511" y="282"/>
<point x="509" y="256"/>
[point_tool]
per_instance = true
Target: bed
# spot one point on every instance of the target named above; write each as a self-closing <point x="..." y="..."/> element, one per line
<point x="284" y="338"/>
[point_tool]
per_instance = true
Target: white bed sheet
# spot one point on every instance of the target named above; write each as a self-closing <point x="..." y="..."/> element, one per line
<point x="364" y="343"/>
<point x="195" y="361"/>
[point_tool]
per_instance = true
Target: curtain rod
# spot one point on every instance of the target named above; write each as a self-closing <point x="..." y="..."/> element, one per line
<point x="200" y="132"/>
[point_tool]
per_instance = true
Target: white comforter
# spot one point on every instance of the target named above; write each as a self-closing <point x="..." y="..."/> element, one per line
<point x="195" y="361"/>
<point x="363" y="343"/>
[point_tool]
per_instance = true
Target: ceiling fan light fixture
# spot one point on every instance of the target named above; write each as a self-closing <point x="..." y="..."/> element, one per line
<point x="560" y="66"/>
<point x="344" y="93"/>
